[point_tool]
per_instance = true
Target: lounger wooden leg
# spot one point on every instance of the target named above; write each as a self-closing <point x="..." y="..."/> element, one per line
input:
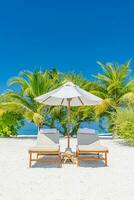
<point x="60" y="162"/>
<point x="78" y="160"/>
<point x="60" y="157"/>
<point x="76" y="154"/>
<point x="30" y="158"/>
<point x="105" y="158"/>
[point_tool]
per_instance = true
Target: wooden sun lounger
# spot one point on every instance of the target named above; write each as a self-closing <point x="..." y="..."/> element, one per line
<point x="92" y="153"/>
<point x="47" y="145"/>
<point x="89" y="147"/>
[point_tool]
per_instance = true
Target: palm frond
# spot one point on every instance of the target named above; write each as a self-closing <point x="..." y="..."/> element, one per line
<point x="103" y="107"/>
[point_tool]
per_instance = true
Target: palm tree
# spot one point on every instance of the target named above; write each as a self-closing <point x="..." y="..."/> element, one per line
<point x="113" y="86"/>
<point x="32" y="84"/>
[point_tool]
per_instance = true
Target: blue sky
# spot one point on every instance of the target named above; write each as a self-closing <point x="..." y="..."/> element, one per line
<point x="70" y="35"/>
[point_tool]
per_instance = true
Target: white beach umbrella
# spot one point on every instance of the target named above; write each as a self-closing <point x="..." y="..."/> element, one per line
<point x="69" y="95"/>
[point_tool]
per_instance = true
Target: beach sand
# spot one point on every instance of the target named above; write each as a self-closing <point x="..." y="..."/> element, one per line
<point x="91" y="181"/>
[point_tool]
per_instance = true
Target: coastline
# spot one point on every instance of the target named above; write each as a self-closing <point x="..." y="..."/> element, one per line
<point x="61" y="136"/>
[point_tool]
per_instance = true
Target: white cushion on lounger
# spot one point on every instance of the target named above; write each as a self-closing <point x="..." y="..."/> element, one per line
<point x="89" y="141"/>
<point x="44" y="148"/>
<point x="87" y="138"/>
<point x="86" y="130"/>
<point x="48" y="137"/>
<point x="48" y="130"/>
<point x="96" y="147"/>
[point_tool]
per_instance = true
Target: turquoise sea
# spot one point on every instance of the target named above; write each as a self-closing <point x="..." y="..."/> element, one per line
<point x="31" y="129"/>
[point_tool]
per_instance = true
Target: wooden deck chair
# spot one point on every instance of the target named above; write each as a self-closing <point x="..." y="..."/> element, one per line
<point x="47" y="144"/>
<point x="89" y="147"/>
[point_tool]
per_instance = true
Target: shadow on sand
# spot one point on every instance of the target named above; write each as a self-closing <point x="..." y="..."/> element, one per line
<point x="92" y="164"/>
<point x="43" y="163"/>
<point x="87" y="164"/>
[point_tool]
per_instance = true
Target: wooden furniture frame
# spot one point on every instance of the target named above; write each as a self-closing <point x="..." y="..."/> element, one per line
<point x="47" y="145"/>
<point x="44" y="153"/>
<point x="68" y="157"/>
<point x="89" y="147"/>
<point x="91" y="153"/>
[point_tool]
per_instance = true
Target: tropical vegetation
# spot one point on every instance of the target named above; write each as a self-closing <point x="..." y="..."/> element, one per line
<point x="114" y="85"/>
<point x="10" y="123"/>
<point x="123" y="124"/>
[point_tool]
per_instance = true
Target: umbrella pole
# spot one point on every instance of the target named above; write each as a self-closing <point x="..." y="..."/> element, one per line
<point x="68" y="128"/>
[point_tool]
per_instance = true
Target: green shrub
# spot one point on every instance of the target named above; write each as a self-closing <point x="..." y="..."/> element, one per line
<point x="10" y="123"/>
<point x="123" y="124"/>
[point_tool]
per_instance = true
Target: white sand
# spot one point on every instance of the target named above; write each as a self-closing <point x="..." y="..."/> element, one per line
<point x="91" y="181"/>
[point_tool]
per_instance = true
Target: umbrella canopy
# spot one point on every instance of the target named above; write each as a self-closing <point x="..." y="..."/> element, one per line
<point x="60" y="96"/>
<point x="69" y="95"/>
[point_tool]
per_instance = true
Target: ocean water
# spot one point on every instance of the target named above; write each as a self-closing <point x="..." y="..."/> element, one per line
<point x="28" y="131"/>
<point x="31" y="129"/>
